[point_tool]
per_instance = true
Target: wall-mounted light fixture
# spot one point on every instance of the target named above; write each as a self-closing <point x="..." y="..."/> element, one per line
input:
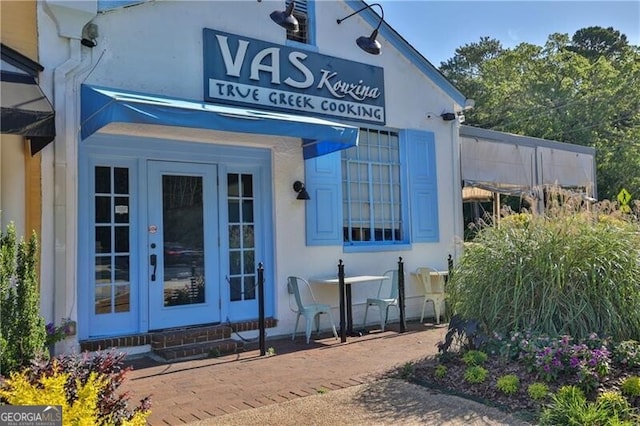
<point x="285" y="18"/>
<point x="300" y="189"/>
<point x="368" y="44"/>
<point x="448" y="116"/>
<point x="89" y="35"/>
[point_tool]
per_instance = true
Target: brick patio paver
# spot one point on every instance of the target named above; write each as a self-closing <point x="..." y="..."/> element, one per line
<point x="186" y="391"/>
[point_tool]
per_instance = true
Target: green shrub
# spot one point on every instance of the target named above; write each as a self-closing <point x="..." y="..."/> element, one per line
<point x="51" y="390"/>
<point x="407" y="370"/>
<point x="538" y="391"/>
<point x="627" y="353"/>
<point x="441" y="371"/>
<point x="474" y="357"/>
<point x="508" y="384"/>
<point x="569" y="406"/>
<point x="79" y="368"/>
<point x="631" y="386"/>
<point x="614" y="403"/>
<point x="475" y="374"/>
<point x="22" y="329"/>
<point x="566" y="271"/>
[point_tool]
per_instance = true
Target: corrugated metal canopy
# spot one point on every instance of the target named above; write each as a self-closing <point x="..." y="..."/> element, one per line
<point x="25" y="109"/>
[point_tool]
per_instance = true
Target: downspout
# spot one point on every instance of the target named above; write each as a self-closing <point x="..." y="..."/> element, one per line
<point x="458" y="220"/>
<point x="70" y="19"/>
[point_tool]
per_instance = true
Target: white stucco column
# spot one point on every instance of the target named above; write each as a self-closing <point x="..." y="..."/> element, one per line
<point x="70" y="19"/>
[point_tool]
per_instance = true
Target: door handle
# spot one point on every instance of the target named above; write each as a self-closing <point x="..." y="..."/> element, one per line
<point x="153" y="260"/>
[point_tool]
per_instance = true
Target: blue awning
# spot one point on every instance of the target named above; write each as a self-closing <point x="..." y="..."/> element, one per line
<point x="101" y="106"/>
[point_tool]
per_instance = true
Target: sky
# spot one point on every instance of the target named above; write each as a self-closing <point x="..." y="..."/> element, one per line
<point x="437" y="28"/>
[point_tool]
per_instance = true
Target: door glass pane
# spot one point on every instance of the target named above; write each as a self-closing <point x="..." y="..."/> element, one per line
<point x="103" y="209"/>
<point x="103" y="300"/>
<point x="103" y="180"/>
<point x="122" y="298"/>
<point x="111" y="236"/>
<point x="122" y="239"/>
<point x="242" y="264"/>
<point x="103" y="239"/>
<point x="121" y="180"/>
<point x="183" y="235"/>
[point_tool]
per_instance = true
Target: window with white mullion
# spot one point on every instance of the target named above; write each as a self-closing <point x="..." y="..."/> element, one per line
<point x="372" y="187"/>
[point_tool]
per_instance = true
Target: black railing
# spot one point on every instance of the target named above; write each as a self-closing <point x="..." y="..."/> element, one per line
<point x="261" y="322"/>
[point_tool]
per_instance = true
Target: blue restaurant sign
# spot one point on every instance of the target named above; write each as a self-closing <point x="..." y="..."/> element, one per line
<point x="253" y="73"/>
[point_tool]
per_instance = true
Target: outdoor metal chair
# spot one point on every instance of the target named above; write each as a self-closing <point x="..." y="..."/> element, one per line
<point x="433" y="283"/>
<point x="310" y="311"/>
<point x="384" y="300"/>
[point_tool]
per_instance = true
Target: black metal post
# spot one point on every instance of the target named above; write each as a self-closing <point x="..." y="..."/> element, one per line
<point x="261" y="325"/>
<point x="343" y="326"/>
<point x="450" y="267"/>
<point x="403" y="324"/>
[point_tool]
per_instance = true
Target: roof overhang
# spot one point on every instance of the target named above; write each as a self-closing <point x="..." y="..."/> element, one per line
<point x="25" y="109"/>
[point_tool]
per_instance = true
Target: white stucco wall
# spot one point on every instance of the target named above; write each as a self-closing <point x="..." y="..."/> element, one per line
<point x="156" y="48"/>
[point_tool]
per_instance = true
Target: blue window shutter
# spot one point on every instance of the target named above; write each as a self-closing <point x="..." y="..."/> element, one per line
<point x="423" y="185"/>
<point x="324" y="209"/>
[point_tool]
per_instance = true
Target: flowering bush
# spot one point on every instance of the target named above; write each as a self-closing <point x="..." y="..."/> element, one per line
<point x="589" y="360"/>
<point x="56" y="333"/>
<point x="628" y="353"/>
<point x="113" y="407"/>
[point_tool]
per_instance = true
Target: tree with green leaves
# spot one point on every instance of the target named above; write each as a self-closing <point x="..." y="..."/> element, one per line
<point x="22" y="329"/>
<point x="583" y="90"/>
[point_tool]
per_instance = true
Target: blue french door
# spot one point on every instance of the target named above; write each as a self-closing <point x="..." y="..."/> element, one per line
<point x="182" y="244"/>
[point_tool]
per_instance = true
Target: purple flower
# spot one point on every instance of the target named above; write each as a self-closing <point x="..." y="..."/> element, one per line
<point x="51" y="329"/>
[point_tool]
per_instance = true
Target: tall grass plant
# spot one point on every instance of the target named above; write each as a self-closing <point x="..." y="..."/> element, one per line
<point x="574" y="270"/>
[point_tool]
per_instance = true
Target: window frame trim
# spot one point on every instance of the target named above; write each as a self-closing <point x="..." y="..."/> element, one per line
<point x="376" y="246"/>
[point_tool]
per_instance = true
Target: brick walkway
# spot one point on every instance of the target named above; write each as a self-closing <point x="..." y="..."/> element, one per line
<point x="196" y="390"/>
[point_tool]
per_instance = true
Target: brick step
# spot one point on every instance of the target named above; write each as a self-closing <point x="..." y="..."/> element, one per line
<point x="199" y="350"/>
<point x="185" y="342"/>
<point x="180" y="337"/>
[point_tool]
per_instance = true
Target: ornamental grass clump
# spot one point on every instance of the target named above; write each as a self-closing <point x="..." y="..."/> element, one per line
<point x="474" y="357"/>
<point x="441" y="371"/>
<point x="613" y="402"/>
<point x="508" y="384"/>
<point x="538" y="391"/>
<point x="475" y="374"/>
<point x="572" y="270"/>
<point x="569" y="406"/>
<point x="631" y="386"/>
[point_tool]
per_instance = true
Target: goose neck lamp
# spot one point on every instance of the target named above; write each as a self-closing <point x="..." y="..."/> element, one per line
<point x="368" y="44"/>
<point x="285" y="18"/>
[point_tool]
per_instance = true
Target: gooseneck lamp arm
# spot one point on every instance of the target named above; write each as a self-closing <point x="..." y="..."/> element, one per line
<point x="360" y="10"/>
<point x="368" y="44"/>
